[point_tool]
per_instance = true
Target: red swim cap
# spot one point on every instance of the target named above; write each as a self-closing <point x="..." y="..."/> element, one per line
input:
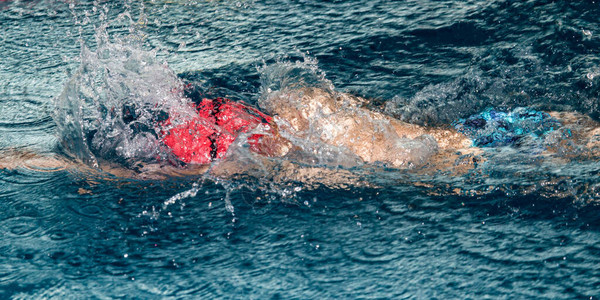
<point x="209" y="135"/>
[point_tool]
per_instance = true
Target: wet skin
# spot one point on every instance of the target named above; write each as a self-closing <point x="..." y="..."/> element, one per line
<point x="339" y="119"/>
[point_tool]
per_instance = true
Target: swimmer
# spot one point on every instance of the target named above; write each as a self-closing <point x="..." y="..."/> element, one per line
<point x="312" y="114"/>
<point x="335" y="119"/>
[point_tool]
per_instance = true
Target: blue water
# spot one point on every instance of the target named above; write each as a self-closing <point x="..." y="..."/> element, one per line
<point x="518" y="225"/>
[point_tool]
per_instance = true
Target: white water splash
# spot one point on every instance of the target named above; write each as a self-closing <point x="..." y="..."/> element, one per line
<point x="332" y="128"/>
<point x="112" y="106"/>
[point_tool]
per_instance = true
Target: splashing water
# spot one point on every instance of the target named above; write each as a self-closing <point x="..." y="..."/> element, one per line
<point x="112" y="106"/>
<point x="335" y="122"/>
<point x="289" y="75"/>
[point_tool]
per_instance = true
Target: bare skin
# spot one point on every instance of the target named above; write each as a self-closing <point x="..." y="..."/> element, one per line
<point x="339" y="119"/>
<point x="14" y="159"/>
<point x="334" y="118"/>
<point x="585" y="131"/>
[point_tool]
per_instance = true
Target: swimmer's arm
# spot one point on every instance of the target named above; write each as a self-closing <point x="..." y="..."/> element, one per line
<point x="283" y="171"/>
<point x="15" y="159"/>
<point x="584" y="129"/>
<point x="25" y="159"/>
<point x="446" y="138"/>
<point x="162" y="172"/>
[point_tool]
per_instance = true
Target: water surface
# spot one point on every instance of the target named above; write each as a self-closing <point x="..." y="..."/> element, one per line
<point x="520" y="225"/>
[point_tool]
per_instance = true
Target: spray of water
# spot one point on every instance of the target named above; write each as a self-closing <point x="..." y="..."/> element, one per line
<point x="113" y="105"/>
<point x="335" y="126"/>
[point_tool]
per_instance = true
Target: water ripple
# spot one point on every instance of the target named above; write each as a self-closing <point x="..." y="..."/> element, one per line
<point x="375" y="252"/>
<point x="87" y="210"/>
<point x="9" y="273"/>
<point x="439" y="59"/>
<point x="512" y="245"/>
<point x="195" y="289"/>
<point x="30" y="176"/>
<point x="118" y="268"/>
<point x="23" y="115"/>
<point x="62" y="233"/>
<point x="20" y="226"/>
<point x="314" y="252"/>
<point x="72" y="264"/>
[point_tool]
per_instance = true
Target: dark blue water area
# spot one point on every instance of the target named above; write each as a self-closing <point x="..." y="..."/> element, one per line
<point x="121" y="241"/>
<point x="513" y="227"/>
<point x="437" y="60"/>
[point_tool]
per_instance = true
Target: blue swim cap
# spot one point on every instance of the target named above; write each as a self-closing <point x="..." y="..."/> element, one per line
<point x="492" y="128"/>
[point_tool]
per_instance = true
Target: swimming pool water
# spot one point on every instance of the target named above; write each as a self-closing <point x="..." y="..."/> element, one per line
<point x="519" y="225"/>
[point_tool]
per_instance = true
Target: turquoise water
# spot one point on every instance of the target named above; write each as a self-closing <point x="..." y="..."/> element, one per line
<point x="519" y="225"/>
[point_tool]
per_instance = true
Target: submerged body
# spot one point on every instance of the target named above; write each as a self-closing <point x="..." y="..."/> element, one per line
<point x="313" y="115"/>
<point x="308" y="114"/>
